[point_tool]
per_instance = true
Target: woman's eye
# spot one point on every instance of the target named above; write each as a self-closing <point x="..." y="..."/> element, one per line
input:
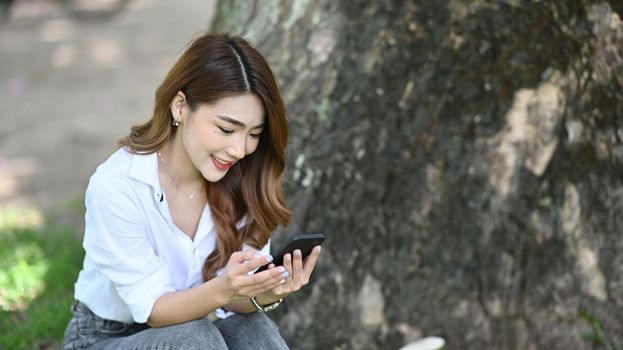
<point x="226" y="131"/>
<point x="255" y="136"/>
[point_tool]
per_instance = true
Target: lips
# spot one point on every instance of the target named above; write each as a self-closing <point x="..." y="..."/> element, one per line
<point x="221" y="165"/>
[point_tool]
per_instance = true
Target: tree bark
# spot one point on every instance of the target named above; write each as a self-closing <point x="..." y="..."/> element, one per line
<point x="465" y="160"/>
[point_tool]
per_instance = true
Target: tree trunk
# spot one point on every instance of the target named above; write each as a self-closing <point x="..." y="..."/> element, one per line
<point x="465" y="160"/>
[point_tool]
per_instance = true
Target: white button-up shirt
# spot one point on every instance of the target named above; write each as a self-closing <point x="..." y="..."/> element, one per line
<point x="134" y="251"/>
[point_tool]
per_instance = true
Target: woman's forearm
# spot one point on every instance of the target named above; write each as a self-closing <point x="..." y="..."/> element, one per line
<point x="232" y="289"/>
<point x="245" y="306"/>
<point x="186" y="305"/>
<point x="240" y="306"/>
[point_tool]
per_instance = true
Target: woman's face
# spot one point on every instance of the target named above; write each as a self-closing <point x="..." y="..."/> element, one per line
<point x="217" y="135"/>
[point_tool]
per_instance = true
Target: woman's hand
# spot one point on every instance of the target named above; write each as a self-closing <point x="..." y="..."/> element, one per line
<point x="238" y="284"/>
<point x="299" y="272"/>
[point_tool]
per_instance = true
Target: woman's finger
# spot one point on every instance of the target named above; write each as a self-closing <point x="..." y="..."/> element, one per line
<point x="287" y="263"/>
<point x="282" y="286"/>
<point x="241" y="256"/>
<point x="250" y="285"/>
<point x="310" y="262"/>
<point x="277" y="275"/>
<point x="271" y="283"/>
<point x="297" y="266"/>
<point x="254" y="261"/>
<point x="261" y="279"/>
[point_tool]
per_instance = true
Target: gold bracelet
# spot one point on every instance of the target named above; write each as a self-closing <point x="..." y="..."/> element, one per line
<point x="266" y="308"/>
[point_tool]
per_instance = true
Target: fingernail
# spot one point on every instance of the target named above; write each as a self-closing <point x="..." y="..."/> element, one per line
<point x="297" y="252"/>
<point x="282" y="281"/>
<point x="287" y="256"/>
<point x="319" y="249"/>
<point x="256" y="255"/>
<point x="285" y="274"/>
<point x="281" y="269"/>
<point x="269" y="258"/>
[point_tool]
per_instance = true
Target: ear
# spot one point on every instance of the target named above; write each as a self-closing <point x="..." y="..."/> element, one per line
<point x="179" y="107"/>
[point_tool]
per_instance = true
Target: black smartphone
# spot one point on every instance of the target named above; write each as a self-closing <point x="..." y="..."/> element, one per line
<point x="304" y="242"/>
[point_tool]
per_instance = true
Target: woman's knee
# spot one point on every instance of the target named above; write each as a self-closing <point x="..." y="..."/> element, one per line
<point x="244" y="331"/>
<point x="197" y="334"/>
<point x="261" y="321"/>
<point x="201" y="334"/>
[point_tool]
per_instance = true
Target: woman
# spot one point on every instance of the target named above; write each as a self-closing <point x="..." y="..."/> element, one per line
<point x="180" y="216"/>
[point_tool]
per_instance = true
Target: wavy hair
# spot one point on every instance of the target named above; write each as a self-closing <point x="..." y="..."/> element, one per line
<point x="215" y="66"/>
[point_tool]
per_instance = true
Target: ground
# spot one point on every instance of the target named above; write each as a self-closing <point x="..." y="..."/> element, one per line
<point x="71" y="84"/>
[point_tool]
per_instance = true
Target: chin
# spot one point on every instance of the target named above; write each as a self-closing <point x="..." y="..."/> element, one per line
<point x="214" y="177"/>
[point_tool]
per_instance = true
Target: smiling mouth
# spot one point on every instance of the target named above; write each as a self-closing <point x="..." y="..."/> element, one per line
<point x="219" y="164"/>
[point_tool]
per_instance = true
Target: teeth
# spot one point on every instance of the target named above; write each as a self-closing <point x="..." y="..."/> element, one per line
<point x="222" y="162"/>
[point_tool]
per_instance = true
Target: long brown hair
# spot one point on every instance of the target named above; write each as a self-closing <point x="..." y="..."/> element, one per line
<point x="212" y="67"/>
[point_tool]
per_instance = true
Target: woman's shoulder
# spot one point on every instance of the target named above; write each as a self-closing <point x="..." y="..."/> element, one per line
<point x="124" y="167"/>
<point x="123" y="174"/>
<point x="123" y="184"/>
<point x="116" y="166"/>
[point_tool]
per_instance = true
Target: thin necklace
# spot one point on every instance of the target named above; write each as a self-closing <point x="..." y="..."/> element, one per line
<point x="166" y="168"/>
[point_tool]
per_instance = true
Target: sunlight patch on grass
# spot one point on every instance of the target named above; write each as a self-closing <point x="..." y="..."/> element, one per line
<point x="22" y="270"/>
<point x="38" y="266"/>
<point x="22" y="262"/>
<point x="13" y="217"/>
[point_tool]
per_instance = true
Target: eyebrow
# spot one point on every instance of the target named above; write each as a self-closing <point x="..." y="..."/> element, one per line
<point x="237" y="122"/>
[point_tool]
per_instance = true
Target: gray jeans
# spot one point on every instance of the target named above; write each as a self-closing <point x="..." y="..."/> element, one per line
<point x="242" y="331"/>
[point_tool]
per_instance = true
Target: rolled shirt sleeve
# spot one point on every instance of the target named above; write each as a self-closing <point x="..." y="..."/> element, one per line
<point x="116" y="241"/>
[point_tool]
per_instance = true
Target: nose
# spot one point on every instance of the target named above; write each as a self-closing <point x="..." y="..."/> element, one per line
<point x="237" y="148"/>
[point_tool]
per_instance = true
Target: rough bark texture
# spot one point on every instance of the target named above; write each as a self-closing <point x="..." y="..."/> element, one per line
<point x="465" y="160"/>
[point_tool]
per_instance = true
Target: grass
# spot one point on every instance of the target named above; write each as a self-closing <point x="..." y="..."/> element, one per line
<point x="596" y="335"/>
<point x="39" y="263"/>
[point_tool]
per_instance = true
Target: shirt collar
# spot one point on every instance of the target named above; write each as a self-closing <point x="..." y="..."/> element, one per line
<point x="144" y="168"/>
